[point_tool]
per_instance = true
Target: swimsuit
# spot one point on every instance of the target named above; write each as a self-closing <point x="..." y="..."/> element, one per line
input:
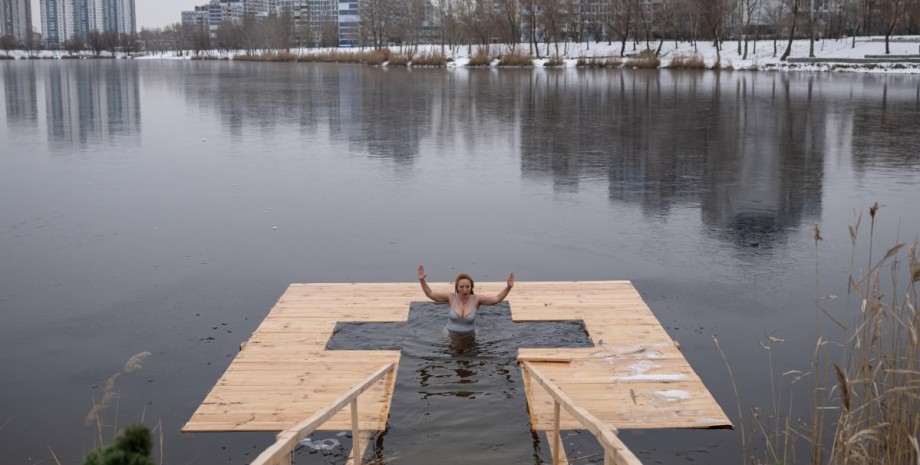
<point x="455" y="323"/>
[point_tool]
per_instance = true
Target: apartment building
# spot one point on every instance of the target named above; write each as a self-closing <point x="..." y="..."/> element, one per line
<point x="16" y="19"/>
<point x="63" y="19"/>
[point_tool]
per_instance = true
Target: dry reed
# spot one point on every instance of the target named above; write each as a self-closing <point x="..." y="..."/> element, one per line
<point x="554" y="60"/>
<point x="481" y="58"/>
<point x="515" y="59"/>
<point x="865" y="404"/>
<point x="646" y="59"/>
<point x="376" y="57"/>
<point x="598" y="62"/>
<point x="108" y="392"/>
<point x="398" y="59"/>
<point x="693" y="61"/>
<point x="430" y="59"/>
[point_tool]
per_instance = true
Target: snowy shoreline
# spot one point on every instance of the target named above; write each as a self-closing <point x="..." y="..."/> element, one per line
<point x="866" y="55"/>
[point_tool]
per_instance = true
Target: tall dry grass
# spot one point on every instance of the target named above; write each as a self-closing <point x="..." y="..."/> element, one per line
<point x="398" y="59"/>
<point x="515" y="59"/>
<point x="599" y="62"/>
<point x="481" y="58"/>
<point x="864" y="404"/>
<point x="646" y="59"/>
<point x="554" y="61"/>
<point x="693" y="61"/>
<point x="430" y="59"/>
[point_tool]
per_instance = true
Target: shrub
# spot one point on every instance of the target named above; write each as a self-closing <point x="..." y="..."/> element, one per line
<point x="481" y="58"/>
<point x="398" y="59"/>
<point x="515" y="59"/>
<point x="687" y="62"/>
<point x="555" y="60"/>
<point x="430" y="59"/>
<point x="5" y="57"/>
<point x="646" y="59"/>
<point x="376" y="57"/>
<point x="132" y="447"/>
<point x="599" y="62"/>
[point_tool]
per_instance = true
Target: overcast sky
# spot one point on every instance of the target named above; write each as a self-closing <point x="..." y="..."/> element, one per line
<point x="150" y="13"/>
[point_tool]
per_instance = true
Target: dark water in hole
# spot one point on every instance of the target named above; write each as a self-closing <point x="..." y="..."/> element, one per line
<point x="459" y="398"/>
<point x="164" y="207"/>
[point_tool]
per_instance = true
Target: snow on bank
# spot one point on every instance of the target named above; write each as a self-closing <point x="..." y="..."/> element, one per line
<point x="761" y="54"/>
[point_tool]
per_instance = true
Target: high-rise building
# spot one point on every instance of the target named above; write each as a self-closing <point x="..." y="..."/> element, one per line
<point x="314" y="21"/>
<point x="57" y="22"/>
<point x="87" y="16"/>
<point x="224" y="10"/>
<point x="16" y="19"/>
<point x="63" y="19"/>
<point x="198" y="17"/>
<point x="119" y="16"/>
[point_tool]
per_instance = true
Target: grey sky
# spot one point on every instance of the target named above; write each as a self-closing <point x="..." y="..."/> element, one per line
<point x="150" y="13"/>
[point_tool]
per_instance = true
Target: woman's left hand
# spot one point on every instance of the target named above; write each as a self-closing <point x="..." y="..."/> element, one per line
<point x="510" y="280"/>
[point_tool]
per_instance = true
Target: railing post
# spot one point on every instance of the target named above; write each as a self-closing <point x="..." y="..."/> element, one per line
<point x="556" y="437"/>
<point x="355" y="436"/>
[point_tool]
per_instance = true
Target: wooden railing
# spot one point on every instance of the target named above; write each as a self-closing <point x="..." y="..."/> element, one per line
<point x="279" y="453"/>
<point x="615" y="452"/>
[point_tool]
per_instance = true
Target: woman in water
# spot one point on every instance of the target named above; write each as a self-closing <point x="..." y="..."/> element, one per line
<point x="464" y="303"/>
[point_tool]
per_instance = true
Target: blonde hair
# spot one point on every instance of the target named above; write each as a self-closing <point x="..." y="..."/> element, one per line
<point x="463" y="276"/>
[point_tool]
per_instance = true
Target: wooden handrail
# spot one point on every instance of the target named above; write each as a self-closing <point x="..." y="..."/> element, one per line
<point x="615" y="452"/>
<point x="279" y="453"/>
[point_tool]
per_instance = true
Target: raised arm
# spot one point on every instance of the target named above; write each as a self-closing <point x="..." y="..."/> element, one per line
<point x="440" y="297"/>
<point x="494" y="299"/>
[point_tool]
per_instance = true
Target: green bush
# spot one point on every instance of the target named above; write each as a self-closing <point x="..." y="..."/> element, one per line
<point x="132" y="447"/>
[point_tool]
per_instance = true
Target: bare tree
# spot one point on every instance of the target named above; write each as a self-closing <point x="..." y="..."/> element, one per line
<point x="375" y="21"/>
<point x="229" y="36"/>
<point x="775" y="15"/>
<point x="73" y="45"/>
<point x="893" y="11"/>
<point x="665" y="22"/>
<point x="714" y="14"/>
<point x="552" y="20"/>
<point x="619" y="19"/>
<point x="646" y="18"/>
<point x="750" y="10"/>
<point x="510" y="23"/>
<point x="8" y="43"/>
<point x="794" y="12"/>
<point x="530" y="13"/>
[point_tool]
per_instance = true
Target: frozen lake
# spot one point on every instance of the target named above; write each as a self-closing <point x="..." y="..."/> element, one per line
<point x="163" y="207"/>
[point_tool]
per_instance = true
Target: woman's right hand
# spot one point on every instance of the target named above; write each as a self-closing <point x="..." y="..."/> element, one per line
<point x="421" y="273"/>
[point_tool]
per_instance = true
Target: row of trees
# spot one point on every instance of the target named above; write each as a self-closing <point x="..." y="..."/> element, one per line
<point x="96" y="41"/>
<point x="274" y="32"/>
<point x="542" y="24"/>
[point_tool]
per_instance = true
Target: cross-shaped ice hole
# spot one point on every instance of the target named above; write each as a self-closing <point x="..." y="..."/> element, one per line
<point x="458" y="399"/>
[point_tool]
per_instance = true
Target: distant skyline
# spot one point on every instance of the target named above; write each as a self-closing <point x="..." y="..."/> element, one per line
<point x="150" y="13"/>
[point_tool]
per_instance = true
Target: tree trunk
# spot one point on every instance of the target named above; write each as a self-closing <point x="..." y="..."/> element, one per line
<point x="795" y="12"/>
<point x="811" y="31"/>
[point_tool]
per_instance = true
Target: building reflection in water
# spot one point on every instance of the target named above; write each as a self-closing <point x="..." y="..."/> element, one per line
<point x="91" y="102"/>
<point x="746" y="148"/>
<point x="20" y="95"/>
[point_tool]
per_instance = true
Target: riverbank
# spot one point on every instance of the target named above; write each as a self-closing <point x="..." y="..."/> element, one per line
<point x="865" y="54"/>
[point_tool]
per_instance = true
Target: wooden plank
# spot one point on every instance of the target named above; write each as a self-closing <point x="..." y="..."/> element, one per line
<point x="284" y="374"/>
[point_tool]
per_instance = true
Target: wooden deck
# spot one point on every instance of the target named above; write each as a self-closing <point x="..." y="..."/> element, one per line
<point x="634" y="377"/>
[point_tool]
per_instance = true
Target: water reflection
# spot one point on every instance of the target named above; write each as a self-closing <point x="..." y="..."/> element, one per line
<point x="89" y="103"/>
<point x="21" y="96"/>
<point x="747" y="149"/>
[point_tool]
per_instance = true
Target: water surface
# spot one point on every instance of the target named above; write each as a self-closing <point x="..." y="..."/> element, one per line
<point x="165" y="206"/>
